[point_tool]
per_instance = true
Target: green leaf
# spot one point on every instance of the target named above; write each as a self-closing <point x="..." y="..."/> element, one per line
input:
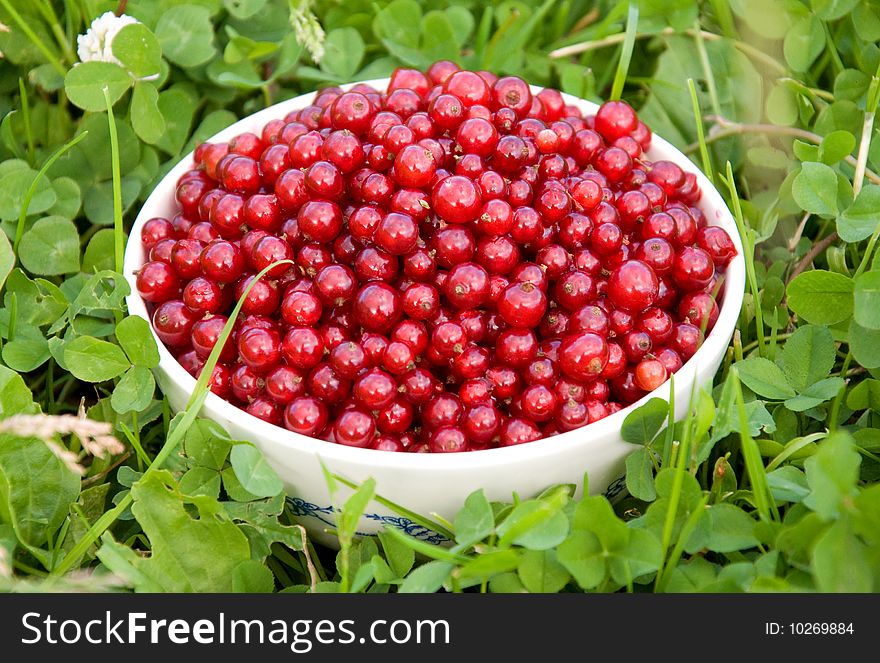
<point x="7" y="258"/>
<point x="641" y="556"/>
<point x="17" y="178"/>
<point x="692" y="576"/>
<point x="186" y="35"/>
<point x="243" y="9"/>
<point x="87" y="161"/>
<point x="68" y="198"/>
<point x="642" y="424"/>
<point x="832" y="473"/>
<point x="821" y="297"/>
<point x="805" y="151"/>
<point x="146" y="118"/>
<point x="850" y="85"/>
<point x="50" y="247"/>
<point x="395" y="23"/>
<point x="764" y="378"/>
<point x="200" y="481"/>
<point x="94" y="360"/>
<point x="427" y="578"/>
<point x="26" y="352"/>
<point x="85" y="83"/>
<point x="290" y="53"/>
<point x="10" y="135"/>
<point x="815" y="189"/>
<point x="866" y="394"/>
<point x="868" y="439"/>
<point x="866" y="22"/>
<point x="400" y="557"/>
<point x="251" y="577"/>
<point x="91" y="504"/>
<point x="207" y="444"/>
<point x="808" y="356"/>
<point x="534" y="524"/>
<point x="343" y="52"/>
<point x="187" y="554"/>
<point x="803" y="43"/>
<point x="439" y="38"/>
<point x="15" y="397"/>
<point x="860" y="220"/>
<point x="840" y="562"/>
<point x="627" y="552"/>
<point x="640" y="475"/>
<point x="782" y="107"/>
<point x="866" y="303"/>
<point x="135" y="337"/>
<point x="138" y="50"/>
<point x="865" y="345"/>
<point x="788" y="484"/>
<point x="831" y="10"/>
<point x="506" y="583"/>
<point x="866" y="517"/>
<point x="462" y="22"/>
<point x="177" y="107"/>
<point x="98" y="200"/>
<point x="836" y="146"/>
<point x="541" y="572"/>
<point x="233" y="486"/>
<point x="134" y="391"/>
<point x="382" y="572"/>
<point x="731" y="529"/>
<point x="816" y="393"/>
<point x="489" y="563"/>
<point x="124" y="563"/>
<point x="254" y="472"/>
<point x="36" y="488"/>
<point x="475" y="521"/>
<point x="582" y="555"/>
<point x="354" y="508"/>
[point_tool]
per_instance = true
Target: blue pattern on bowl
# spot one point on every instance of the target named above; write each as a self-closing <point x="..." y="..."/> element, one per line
<point x="304" y="509"/>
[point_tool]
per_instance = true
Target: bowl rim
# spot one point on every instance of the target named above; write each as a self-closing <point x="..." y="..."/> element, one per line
<point x="580" y="439"/>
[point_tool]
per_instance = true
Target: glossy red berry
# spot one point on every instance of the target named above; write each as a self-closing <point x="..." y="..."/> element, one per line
<point x="583" y="356"/>
<point x="633" y="286"/>
<point x="157" y="282"/>
<point x="306" y="415"/>
<point x="615" y="119"/>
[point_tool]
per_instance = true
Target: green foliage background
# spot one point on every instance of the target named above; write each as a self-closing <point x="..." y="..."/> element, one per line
<point x="770" y="484"/>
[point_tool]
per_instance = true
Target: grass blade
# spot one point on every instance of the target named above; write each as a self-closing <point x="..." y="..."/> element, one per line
<point x="118" y="231"/>
<point x="701" y="137"/>
<point x="26" y="116"/>
<point x="32" y="189"/>
<point x="193" y="407"/>
<point x="632" y="24"/>
<point x="687" y="529"/>
<point x="764" y="502"/>
<point x="748" y="240"/>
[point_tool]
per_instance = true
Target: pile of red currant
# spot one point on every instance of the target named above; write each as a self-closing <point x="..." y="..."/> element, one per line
<point x="472" y="265"/>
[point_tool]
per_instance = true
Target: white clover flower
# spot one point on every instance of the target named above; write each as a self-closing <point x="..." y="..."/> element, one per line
<point x="307" y="29"/>
<point x="96" y="45"/>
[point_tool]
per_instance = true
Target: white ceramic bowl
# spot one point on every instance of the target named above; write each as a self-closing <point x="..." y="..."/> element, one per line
<point x="437" y="483"/>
